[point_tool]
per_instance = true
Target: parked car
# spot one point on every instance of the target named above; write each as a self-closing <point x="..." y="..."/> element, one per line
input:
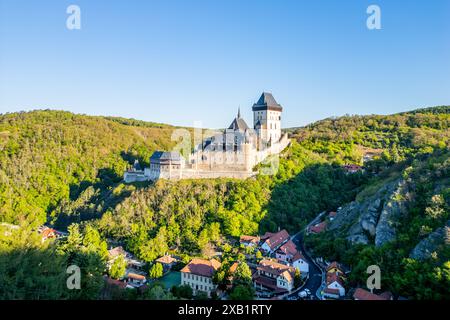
<point x="302" y="294"/>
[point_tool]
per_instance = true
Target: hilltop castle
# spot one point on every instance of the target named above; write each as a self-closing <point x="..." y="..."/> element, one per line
<point x="233" y="152"/>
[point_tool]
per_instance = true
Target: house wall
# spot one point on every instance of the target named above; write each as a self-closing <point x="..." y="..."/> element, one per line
<point x="198" y="283"/>
<point x="301" y="265"/>
<point x="336" y="285"/>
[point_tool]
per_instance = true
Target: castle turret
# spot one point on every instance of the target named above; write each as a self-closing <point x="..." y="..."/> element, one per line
<point x="267" y="118"/>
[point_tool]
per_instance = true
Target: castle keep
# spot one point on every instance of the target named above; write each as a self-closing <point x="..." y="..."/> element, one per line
<point x="233" y="152"/>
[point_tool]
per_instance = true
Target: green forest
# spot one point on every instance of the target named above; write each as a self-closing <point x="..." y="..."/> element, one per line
<point x="65" y="170"/>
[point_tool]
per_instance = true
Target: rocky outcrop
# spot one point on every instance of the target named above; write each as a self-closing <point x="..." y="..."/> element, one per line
<point x="374" y="218"/>
<point x="431" y="243"/>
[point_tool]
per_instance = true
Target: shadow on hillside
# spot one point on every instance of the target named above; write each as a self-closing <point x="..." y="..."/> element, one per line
<point x="39" y="273"/>
<point x="130" y="158"/>
<point x="90" y="200"/>
<point x="298" y="200"/>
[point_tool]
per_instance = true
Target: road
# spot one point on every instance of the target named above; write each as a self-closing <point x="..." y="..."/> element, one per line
<point x="315" y="274"/>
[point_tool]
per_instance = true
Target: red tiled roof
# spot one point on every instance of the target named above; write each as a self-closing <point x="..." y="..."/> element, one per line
<point x="275" y="268"/>
<point x="167" y="259"/>
<point x="331" y="291"/>
<point x="288" y="248"/>
<point x="266" y="236"/>
<point x="48" y="233"/>
<point x="336" y="265"/>
<point x="116" y="252"/>
<point x="332" y="277"/>
<point x="201" y="267"/>
<point x="318" y="228"/>
<point x="297" y="256"/>
<point x="362" y="294"/>
<point x="135" y="276"/>
<point x="118" y="283"/>
<point x="249" y="239"/>
<point x="277" y="239"/>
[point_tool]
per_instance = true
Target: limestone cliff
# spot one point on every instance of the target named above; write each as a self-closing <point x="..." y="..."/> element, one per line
<point x="430" y="244"/>
<point x="374" y="219"/>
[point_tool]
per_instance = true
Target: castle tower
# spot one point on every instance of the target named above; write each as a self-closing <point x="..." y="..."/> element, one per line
<point x="267" y="118"/>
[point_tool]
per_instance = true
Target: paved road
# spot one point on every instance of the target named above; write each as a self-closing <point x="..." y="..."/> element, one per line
<point x="315" y="274"/>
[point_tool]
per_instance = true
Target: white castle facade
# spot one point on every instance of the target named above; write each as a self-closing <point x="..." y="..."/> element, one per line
<point x="232" y="153"/>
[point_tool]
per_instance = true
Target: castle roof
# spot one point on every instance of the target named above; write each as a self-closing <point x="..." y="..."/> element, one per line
<point x="267" y="102"/>
<point x="238" y="123"/>
<point x="166" y="156"/>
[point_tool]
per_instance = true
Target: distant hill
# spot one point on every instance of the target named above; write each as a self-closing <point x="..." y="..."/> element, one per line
<point x="47" y="156"/>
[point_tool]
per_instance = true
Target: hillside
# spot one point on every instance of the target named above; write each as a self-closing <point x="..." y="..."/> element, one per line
<point x="62" y="168"/>
<point x="48" y="157"/>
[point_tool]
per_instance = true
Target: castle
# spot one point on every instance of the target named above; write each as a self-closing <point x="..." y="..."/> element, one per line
<point x="233" y="152"/>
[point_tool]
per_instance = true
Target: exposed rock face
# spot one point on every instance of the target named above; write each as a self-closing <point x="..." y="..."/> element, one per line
<point x="430" y="244"/>
<point x="393" y="209"/>
<point x="374" y="218"/>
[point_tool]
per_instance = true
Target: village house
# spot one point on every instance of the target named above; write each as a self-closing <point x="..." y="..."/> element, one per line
<point x="299" y="262"/>
<point x="318" y="228"/>
<point x="332" y="215"/>
<point x="198" y="274"/>
<point x="272" y="241"/>
<point x="286" y="252"/>
<point x="334" y="281"/>
<point x="249" y="241"/>
<point x="362" y="294"/>
<point x="352" y="168"/>
<point x="274" y="276"/>
<point x="136" y="280"/>
<point x="167" y="261"/>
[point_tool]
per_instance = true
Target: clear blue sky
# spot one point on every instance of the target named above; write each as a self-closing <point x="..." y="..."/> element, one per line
<point x="180" y="61"/>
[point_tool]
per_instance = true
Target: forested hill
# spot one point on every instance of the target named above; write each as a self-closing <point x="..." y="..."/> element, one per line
<point x="50" y="156"/>
<point x="65" y="169"/>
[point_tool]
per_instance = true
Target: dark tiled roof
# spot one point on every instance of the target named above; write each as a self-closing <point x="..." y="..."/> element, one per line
<point x="164" y="155"/>
<point x="238" y="124"/>
<point x="267" y="101"/>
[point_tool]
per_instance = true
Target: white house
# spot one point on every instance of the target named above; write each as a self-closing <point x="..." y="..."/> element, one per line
<point x="334" y="286"/>
<point x="198" y="275"/>
<point x="272" y="241"/>
<point x="299" y="262"/>
<point x="274" y="276"/>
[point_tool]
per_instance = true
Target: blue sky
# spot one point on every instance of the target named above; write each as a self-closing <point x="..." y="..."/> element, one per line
<point x="183" y="61"/>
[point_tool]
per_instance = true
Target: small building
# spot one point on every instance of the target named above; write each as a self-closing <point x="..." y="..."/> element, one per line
<point x="274" y="240"/>
<point x="274" y="276"/>
<point x="318" y="228"/>
<point x="286" y="252"/>
<point x="135" y="173"/>
<point x="167" y="261"/>
<point x="198" y="274"/>
<point x="336" y="267"/>
<point x="136" y="280"/>
<point x="362" y="294"/>
<point x="332" y="215"/>
<point x="334" y="286"/>
<point x="352" y="168"/>
<point x="249" y="241"/>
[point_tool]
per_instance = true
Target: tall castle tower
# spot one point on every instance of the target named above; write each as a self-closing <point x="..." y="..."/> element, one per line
<point x="267" y="118"/>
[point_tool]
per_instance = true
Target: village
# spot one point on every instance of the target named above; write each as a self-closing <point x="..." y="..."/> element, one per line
<point x="281" y="269"/>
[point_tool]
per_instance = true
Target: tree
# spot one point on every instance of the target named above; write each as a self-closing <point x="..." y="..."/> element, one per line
<point x="243" y="274"/>
<point x="242" y="292"/>
<point x="201" y="295"/>
<point x="118" y="267"/>
<point x="156" y="271"/>
<point x="297" y="278"/>
<point x="183" y="291"/>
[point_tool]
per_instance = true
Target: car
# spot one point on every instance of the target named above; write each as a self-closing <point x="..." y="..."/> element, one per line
<point x="307" y="291"/>
<point x="302" y="294"/>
